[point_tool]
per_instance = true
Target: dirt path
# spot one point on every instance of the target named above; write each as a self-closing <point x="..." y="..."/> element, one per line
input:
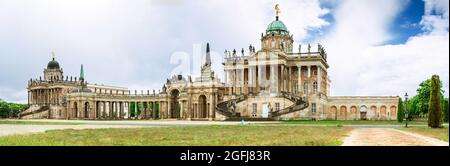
<point x="6" y="129"/>
<point x="389" y="137"/>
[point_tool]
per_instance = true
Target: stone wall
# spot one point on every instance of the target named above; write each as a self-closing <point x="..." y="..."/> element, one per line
<point x="362" y="107"/>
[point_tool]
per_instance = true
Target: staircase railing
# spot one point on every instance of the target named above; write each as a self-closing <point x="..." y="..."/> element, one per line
<point x="299" y="104"/>
<point x="41" y="109"/>
<point x="228" y="108"/>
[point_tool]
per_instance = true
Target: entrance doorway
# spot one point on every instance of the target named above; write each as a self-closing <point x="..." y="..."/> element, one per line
<point x="174" y="104"/>
<point x="363" y="112"/>
<point x="265" y="112"/>
<point x="202" y="109"/>
<point x="363" y="115"/>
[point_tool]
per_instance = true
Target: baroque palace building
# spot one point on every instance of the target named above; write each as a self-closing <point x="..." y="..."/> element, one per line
<point x="274" y="82"/>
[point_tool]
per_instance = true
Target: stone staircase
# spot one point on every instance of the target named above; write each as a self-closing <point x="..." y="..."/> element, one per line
<point x="228" y="108"/>
<point x="299" y="104"/>
<point x="31" y="112"/>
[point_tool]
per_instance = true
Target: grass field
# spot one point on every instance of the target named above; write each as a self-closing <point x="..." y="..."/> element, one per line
<point x="36" y="123"/>
<point x="187" y="136"/>
<point x="439" y="133"/>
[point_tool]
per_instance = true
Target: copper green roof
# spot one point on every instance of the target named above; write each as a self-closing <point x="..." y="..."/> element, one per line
<point x="277" y="26"/>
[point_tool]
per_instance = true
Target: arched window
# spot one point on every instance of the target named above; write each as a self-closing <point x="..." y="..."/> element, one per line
<point x="273" y="43"/>
<point x="315" y="87"/>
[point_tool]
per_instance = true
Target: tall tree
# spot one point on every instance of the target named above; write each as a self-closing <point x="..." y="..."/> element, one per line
<point x="423" y="97"/>
<point x="445" y="108"/>
<point x="400" y="112"/>
<point x="434" y="106"/>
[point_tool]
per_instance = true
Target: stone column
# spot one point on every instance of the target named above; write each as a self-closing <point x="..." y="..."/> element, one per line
<point x="260" y="78"/>
<point x="68" y="109"/>
<point x="299" y="81"/>
<point x="181" y="109"/>
<point x="211" y="106"/>
<point x="120" y="110"/>
<point x="289" y="72"/>
<point x="49" y="96"/>
<point x="95" y="110"/>
<point x="194" y="110"/>
<point x="169" y="109"/>
<point x="117" y="109"/>
<point x="272" y="79"/>
<point x="31" y="97"/>
<point x="319" y="79"/>
<point x="136" y="110"/>
<point x="250" y="77"/>
<point x="103" y="112"/>
<point x="309" y="81"/>
<point x="110" y="109"/>
<point x="154" y="110"/>
<point x="127" y="106"/>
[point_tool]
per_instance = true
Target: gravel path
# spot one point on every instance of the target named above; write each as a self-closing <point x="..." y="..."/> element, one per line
<point x="389" y="137"/>
<point x="7" y="129"/>
<point x="11" y="129"/>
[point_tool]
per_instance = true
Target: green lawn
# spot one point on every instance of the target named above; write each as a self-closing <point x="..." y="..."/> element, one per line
<point x="439" y="133"/>
<point x="352" y="122"/>
<point x="188" y="136"/>
<point x="18" y="122"/>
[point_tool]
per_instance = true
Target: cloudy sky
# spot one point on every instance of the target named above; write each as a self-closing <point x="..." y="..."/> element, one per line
<point x="375" y="47"/>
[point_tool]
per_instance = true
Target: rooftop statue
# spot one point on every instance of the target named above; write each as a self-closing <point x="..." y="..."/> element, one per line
<point x="277" y="9"/>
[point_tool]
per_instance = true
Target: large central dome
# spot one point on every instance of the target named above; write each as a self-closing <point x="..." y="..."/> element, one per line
<point x="277" y="26"/>
<point x="53" y="64"/>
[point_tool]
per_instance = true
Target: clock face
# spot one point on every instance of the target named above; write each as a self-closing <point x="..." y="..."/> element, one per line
<point x="363" y="109"/>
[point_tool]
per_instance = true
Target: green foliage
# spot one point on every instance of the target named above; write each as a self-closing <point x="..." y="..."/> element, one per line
<point x="434" y="106"/>
<point x="418" y="105"/>
<point x="423" y="96"/>
<point x="10" y="110"/>
<point x="445" y="108"/>
<point x="413" y="106"/>
<point x="400" y="113"/>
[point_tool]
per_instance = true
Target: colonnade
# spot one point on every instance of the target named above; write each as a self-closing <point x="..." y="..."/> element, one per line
<point x="113" y="110"/>
<point x="49" y="96"/>
<point x="303" y="79"/>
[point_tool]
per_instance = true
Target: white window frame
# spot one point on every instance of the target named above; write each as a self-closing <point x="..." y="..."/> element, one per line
<point x="313" y="107"/>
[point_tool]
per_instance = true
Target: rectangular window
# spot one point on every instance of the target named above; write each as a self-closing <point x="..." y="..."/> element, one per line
<point x="254" y="109"/>
<point x="305" y="87"/>
<point x="277" y="106"/>
<point x="313" y="107"/>
<point x="315" y="87"/>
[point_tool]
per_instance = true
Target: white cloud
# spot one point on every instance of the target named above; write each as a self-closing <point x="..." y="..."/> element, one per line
<point x="361" y="65"/>
<point x="436" y="24"/>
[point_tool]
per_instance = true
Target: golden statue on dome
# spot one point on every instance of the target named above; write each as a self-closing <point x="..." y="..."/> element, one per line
<point x="277" y="9"/>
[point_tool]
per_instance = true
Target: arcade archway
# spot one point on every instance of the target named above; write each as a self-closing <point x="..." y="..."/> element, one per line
<point x="202" y="107"/>
<point x="174" y="104"/>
